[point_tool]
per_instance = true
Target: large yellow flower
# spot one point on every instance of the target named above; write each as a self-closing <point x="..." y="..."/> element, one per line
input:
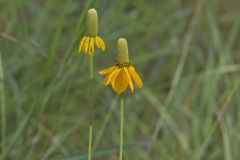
<point x="86" y="44"/>
<point x="120" y="75"/>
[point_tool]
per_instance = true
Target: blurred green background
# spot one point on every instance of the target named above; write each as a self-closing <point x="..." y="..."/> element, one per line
<point x="187" y="53"/>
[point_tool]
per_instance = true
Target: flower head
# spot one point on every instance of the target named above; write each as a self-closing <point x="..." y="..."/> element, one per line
<point x="120" y="75"/>
<point x="86" y="44"/>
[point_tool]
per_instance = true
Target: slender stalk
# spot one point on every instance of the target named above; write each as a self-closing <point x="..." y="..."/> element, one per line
<point x="90" y="142"/>
<point x="91" y="110"/>
<point x="121" y="128"/>
<point x="3" y="106"/>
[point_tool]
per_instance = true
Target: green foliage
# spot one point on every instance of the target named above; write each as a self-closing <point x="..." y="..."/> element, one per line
<point x="186" y="52"/>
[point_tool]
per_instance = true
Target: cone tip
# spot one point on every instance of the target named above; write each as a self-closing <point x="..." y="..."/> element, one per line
<point x="122" y="41"/>
<point x="92" y="11"/>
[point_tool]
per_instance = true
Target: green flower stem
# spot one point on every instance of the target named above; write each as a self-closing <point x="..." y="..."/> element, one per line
<point x="90" y="143"/>
<point x="3" y="106"/>
<point x="121" y="128"/>
<point x="90" y="133"/>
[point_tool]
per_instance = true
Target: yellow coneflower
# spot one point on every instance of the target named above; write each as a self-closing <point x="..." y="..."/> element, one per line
<point x="86" y="44"/>
<point x="120" y="75"/>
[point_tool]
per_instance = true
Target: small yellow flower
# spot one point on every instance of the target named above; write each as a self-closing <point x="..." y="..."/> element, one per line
<point x="120" y="75"/>
<point x="86" y="44"/>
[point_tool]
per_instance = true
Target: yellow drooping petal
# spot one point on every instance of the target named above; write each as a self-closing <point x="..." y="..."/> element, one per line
<point x="120" y="84"/>
<point x="96" y="42"/>
<point x="114" y="76"/>
<point x="80" y="49"/>
<point x="89" y="46"/>
<point x="86" y="45"/>
<point x="135" y="76"/>
<point x="91" y="49"/>
<point x="100" y="43"/>
<point x="129" y="78"/>
<point x="109" y="76"/>
<point x="106" y="79"/>
<point x="109" y="80"/>
<point x="108" y="70"/>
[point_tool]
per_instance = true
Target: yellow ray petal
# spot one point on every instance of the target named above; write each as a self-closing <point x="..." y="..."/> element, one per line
<point x="120" y="84"/>
<point x="107" y="80"/>
<point x="86" y="45"/>
<point x="96" y="42"/>
<point x="101" y="43"/>
<point x="91" y="48"/>
<point x="114" y="76"/>
<point x="129" y="78"/>
<point x="108" y="70"/>
<point x="113" y="73"/>
<point x="135" y="76"/>
<point x="80" y="49"/>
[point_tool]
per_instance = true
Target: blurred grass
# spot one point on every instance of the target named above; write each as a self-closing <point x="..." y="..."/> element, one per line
<point x="46" y="95"/>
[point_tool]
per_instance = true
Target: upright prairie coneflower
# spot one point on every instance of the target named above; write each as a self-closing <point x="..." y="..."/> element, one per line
<point x="87" y="46"/>
<point x="121" y="74"/>
<point x="91" y="37"/>
<point x="120" y="77"/>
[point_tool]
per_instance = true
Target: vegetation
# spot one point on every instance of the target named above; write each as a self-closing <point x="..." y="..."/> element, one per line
<point x="186" y="52"/>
